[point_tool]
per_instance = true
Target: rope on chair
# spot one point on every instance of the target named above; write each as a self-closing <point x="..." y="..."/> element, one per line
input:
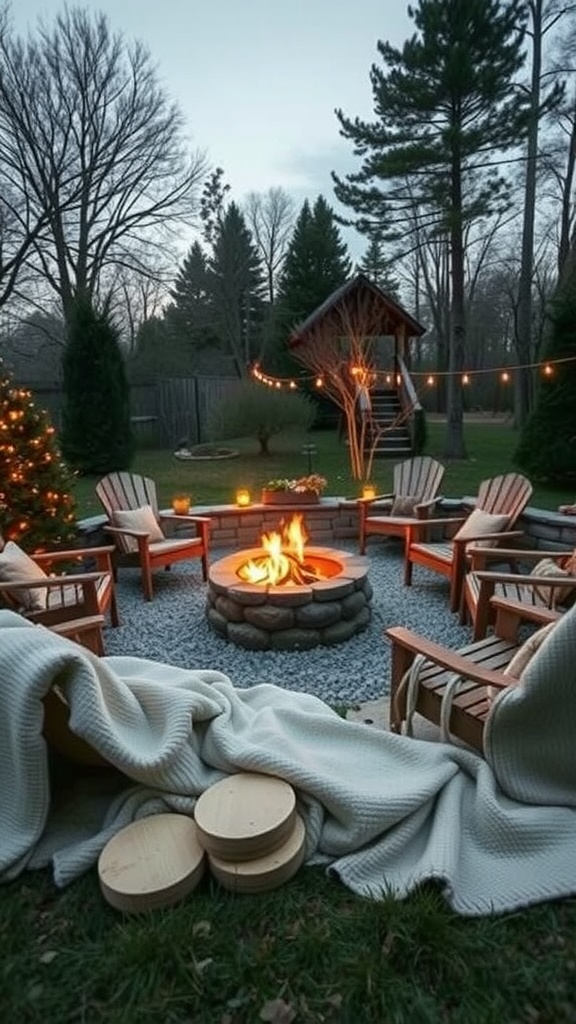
<point x="411" y="681"/>
<point x="452" y="686"/>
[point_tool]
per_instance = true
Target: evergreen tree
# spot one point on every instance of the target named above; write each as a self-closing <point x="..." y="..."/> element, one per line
<point x="236" y="284"/>
<point x="377" y="267"/>
<point x="190" y="319"/>
<point x="445" y="105"/>
<point x="37" y="509"/>
<point x="547" y="447"/>
<point x="316" y="264"/>
<point x="96" y="430"/>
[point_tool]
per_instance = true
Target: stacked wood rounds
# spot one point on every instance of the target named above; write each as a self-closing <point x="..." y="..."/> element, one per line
<point x="152" y="863"/>
<point x="253" y="837"/>
<point x="245" y="826"/>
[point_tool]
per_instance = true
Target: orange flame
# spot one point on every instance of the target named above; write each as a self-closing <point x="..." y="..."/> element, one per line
<point x="283" y="559"/>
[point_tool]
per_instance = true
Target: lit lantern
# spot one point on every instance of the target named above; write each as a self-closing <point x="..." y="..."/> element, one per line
<point x="181" y="504"/>
<point x="242" y="497"/>
<point x="368" y="491"/>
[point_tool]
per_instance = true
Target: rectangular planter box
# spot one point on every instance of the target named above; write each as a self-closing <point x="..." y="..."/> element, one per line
<point x="288" y="498"/>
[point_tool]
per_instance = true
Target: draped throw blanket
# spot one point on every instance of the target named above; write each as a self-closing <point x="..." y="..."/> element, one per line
<point x="383" y="812"/>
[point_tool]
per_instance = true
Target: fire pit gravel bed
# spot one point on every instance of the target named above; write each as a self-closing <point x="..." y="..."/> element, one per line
<point x="290" y="618"/>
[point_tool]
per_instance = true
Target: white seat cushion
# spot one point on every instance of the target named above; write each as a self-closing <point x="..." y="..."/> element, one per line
<point x="15" y="564"/>
<point x="480" y="523"/>
<point x="142" y="520"/>
<point x="526" y="652"/>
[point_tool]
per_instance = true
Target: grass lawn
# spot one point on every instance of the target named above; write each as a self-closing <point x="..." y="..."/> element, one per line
<point x="490" y="447"/>
<point x="310" y="952"/>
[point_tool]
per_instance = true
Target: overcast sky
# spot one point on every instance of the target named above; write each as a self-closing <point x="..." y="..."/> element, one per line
<point x="258" y="80"/>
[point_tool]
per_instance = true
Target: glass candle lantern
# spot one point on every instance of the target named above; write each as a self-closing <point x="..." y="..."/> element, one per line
<point x="181" y="504"/>
<point x="242" y="497"/>
<point x="368" y="491"/>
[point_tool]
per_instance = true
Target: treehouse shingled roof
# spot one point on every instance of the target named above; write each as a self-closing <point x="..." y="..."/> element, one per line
<point x="349" y="303"/>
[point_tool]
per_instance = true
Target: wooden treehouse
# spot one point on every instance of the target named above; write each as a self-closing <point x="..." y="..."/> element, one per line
<point x="357" y="343"/>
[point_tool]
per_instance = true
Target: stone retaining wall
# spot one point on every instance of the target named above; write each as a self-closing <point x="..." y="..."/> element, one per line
<point x="336" y="519"/>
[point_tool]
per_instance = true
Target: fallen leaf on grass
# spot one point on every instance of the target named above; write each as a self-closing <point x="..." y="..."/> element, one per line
<point x="277" y="1012"/>
<point x="48" y="956"/>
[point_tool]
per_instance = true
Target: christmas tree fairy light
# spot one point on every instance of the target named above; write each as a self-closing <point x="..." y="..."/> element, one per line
<point x="37" y="508"/>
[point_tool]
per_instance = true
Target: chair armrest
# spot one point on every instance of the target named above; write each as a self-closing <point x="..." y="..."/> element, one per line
<point x="377" y="497"/>
<point x="124" y="532"/>
<point x="440" y="521"/>
<point x="526" y="580"/>
<point x="72" y="553"/>
<point x="428" y="503"/>
<point x="489" y="536"/>
<point x="176" y="517"/>
<point x="445" y="657"/>
<point x="518" y="611"/>
<point x="529" y="554"/>
<point x="70" y="579"/>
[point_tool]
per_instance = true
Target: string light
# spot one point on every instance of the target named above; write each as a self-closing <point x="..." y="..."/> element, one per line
<point x="504" y="374"/>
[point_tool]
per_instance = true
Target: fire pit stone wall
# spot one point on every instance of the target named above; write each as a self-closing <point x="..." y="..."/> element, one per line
<point x="289" y="618"/>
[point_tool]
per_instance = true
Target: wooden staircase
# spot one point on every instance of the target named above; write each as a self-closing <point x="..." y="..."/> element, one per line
<point x="393" y="442"/>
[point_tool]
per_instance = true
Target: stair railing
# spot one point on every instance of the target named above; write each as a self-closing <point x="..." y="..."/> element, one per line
<point x="408" y="397"/>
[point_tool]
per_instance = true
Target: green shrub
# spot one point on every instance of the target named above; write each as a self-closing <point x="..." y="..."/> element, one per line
<point x="254" y="410"/>
<point x="96" y="430"/>
<point x="547" y="447"/>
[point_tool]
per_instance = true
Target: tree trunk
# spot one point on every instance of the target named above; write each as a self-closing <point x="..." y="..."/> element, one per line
<point x="523" y="339"/>
<point x="454" y="447"/>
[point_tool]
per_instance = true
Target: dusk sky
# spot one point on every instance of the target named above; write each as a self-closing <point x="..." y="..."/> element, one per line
<point x="258" y="80"/>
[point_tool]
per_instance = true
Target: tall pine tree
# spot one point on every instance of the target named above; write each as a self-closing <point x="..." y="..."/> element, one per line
<point x="236" y="283"/>
<point x="190" y="320"/>
<point x="96" y="430"/>
<point x="317" y="263"/>
<point x="446" y="106"/>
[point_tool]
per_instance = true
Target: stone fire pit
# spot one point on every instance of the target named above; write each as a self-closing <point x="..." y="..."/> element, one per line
<point x="293" y="617"/>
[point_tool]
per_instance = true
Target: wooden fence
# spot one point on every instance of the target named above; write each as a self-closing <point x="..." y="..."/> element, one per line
<point x="163" y="414"/>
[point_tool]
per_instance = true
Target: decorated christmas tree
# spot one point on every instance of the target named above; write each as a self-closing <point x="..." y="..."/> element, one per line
<point x="37" y="510"/>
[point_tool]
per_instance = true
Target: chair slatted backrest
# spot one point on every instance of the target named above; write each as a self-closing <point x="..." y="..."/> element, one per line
<point x="505" y="495"/>
<point x="126" y="491"/>
<point x="419" y="477"/>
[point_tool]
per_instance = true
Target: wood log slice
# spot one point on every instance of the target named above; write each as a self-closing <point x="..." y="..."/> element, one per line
<point x="245" y="816"/>
<point x="262" y="873"/>
<point x="152" y="863"/>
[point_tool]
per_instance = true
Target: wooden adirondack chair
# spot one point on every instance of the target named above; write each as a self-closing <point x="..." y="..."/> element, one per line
<point x="416" y="484"/>
<point x="138" y="527"/>
<point x="74" y="604"/>
<point x="500" y="501"/>
<point x="455" y="688"/>
<point x="536" y="598"/>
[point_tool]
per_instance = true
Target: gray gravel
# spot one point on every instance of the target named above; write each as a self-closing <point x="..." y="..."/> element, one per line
<point x="173" y="629"/>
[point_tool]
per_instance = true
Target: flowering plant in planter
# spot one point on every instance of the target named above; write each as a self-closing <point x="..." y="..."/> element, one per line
<point x="306" y="490"/>
<point x="312" y="484"/>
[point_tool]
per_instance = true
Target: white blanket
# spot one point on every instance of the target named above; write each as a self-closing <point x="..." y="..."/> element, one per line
<point x="384" y="812"/>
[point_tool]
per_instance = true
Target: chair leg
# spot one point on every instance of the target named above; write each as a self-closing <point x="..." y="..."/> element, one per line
<point x="114" y="616"/>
